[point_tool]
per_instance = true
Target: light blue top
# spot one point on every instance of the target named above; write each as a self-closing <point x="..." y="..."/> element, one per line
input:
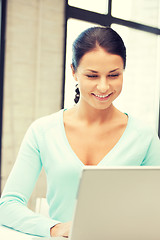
<point x="45" y="144"/>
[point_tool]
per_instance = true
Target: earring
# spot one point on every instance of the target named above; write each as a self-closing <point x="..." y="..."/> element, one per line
<point x="77" y="95"/>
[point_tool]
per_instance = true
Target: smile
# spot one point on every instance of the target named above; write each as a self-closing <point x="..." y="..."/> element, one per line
<point x="102" y="97"/>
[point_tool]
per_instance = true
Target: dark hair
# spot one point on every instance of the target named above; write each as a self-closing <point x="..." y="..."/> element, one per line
<point x="104" y="37"/>
<point x="93" y="37"/>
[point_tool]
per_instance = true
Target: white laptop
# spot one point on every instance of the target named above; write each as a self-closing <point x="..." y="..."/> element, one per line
<point x="118" y="203"/>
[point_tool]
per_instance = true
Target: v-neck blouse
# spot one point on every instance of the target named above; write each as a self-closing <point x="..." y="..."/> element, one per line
<point x="45" y="145"/>
<point x="106" y="156"/>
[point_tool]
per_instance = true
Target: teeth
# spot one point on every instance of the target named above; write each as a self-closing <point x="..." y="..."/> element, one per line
<point x="102" y="96"/>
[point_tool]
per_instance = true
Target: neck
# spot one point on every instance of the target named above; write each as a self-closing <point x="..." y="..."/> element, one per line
<point x="93" y="115"/>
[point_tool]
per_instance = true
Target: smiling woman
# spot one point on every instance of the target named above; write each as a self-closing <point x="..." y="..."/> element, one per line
<point x="99" y="76"/>
<point x="93" y="132"/>
<point x="100" y="54"/>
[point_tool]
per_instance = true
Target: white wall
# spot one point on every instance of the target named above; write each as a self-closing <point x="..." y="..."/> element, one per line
<point x="33" y="73"/>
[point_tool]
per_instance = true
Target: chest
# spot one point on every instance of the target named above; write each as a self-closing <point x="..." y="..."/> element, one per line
<point x="92" y="146"/>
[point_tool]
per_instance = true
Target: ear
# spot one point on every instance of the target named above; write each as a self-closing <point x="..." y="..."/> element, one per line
<point x="73" y="73"/>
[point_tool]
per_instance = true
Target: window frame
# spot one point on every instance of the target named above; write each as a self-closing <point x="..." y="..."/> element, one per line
<point x="2" y="61"/>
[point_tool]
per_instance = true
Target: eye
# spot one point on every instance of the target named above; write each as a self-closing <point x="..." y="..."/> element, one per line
<point x="92" y="76"/>
<point x="114" y="75"/>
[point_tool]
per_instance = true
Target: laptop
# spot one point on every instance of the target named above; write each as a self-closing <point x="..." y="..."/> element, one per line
<point x="117" y="203"/>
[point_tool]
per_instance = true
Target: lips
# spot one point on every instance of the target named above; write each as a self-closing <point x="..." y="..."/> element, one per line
<point x="102" y="97"/>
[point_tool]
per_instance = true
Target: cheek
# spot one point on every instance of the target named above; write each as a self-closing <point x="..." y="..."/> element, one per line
<point x="85" y="85"/>
<point x="118" y="84"/>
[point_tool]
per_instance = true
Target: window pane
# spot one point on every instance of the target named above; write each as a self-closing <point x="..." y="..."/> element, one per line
<point x="100" y="6"/>
<point x="141" y="11"/>
<point x="140" y="94"/>
<point x="74" y="28"/>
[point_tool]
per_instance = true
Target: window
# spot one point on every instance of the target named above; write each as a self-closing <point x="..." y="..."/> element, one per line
<point x="138" y="24"/>
<point x="141" y="11"/>
<point x="100" y="6"/>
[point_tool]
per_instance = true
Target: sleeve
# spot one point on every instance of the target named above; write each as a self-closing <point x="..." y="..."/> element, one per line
<point x="13" y="203"/>
<point x="152" y="157"/>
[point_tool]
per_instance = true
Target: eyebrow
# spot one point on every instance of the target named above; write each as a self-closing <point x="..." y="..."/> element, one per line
<point x="115" y="70"/>
<point x="109" y="71"/>
<point x="92" y="71"/>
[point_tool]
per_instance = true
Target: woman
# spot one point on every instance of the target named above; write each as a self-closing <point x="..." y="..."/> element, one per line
<point x="93" y="132"/>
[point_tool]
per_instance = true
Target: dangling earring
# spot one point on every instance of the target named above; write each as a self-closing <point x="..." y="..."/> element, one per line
<point x="77" y="95"/>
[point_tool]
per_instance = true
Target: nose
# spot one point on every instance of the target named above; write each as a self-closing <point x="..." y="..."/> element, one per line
<point x="103" y="85"/>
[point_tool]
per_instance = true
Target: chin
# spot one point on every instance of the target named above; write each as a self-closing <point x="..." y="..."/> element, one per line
<point x="102" y="107"/>
<point x="96" y="105"/>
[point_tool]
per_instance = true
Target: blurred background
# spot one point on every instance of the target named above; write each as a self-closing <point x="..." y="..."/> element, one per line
<point x="35" y="57"/>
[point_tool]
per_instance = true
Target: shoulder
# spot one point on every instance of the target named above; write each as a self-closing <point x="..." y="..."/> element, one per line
<point x="140" y="128"/>
<point x="48" y="122"/>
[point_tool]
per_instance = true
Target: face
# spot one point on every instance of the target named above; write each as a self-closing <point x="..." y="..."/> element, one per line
<point x="100" y="78"/>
